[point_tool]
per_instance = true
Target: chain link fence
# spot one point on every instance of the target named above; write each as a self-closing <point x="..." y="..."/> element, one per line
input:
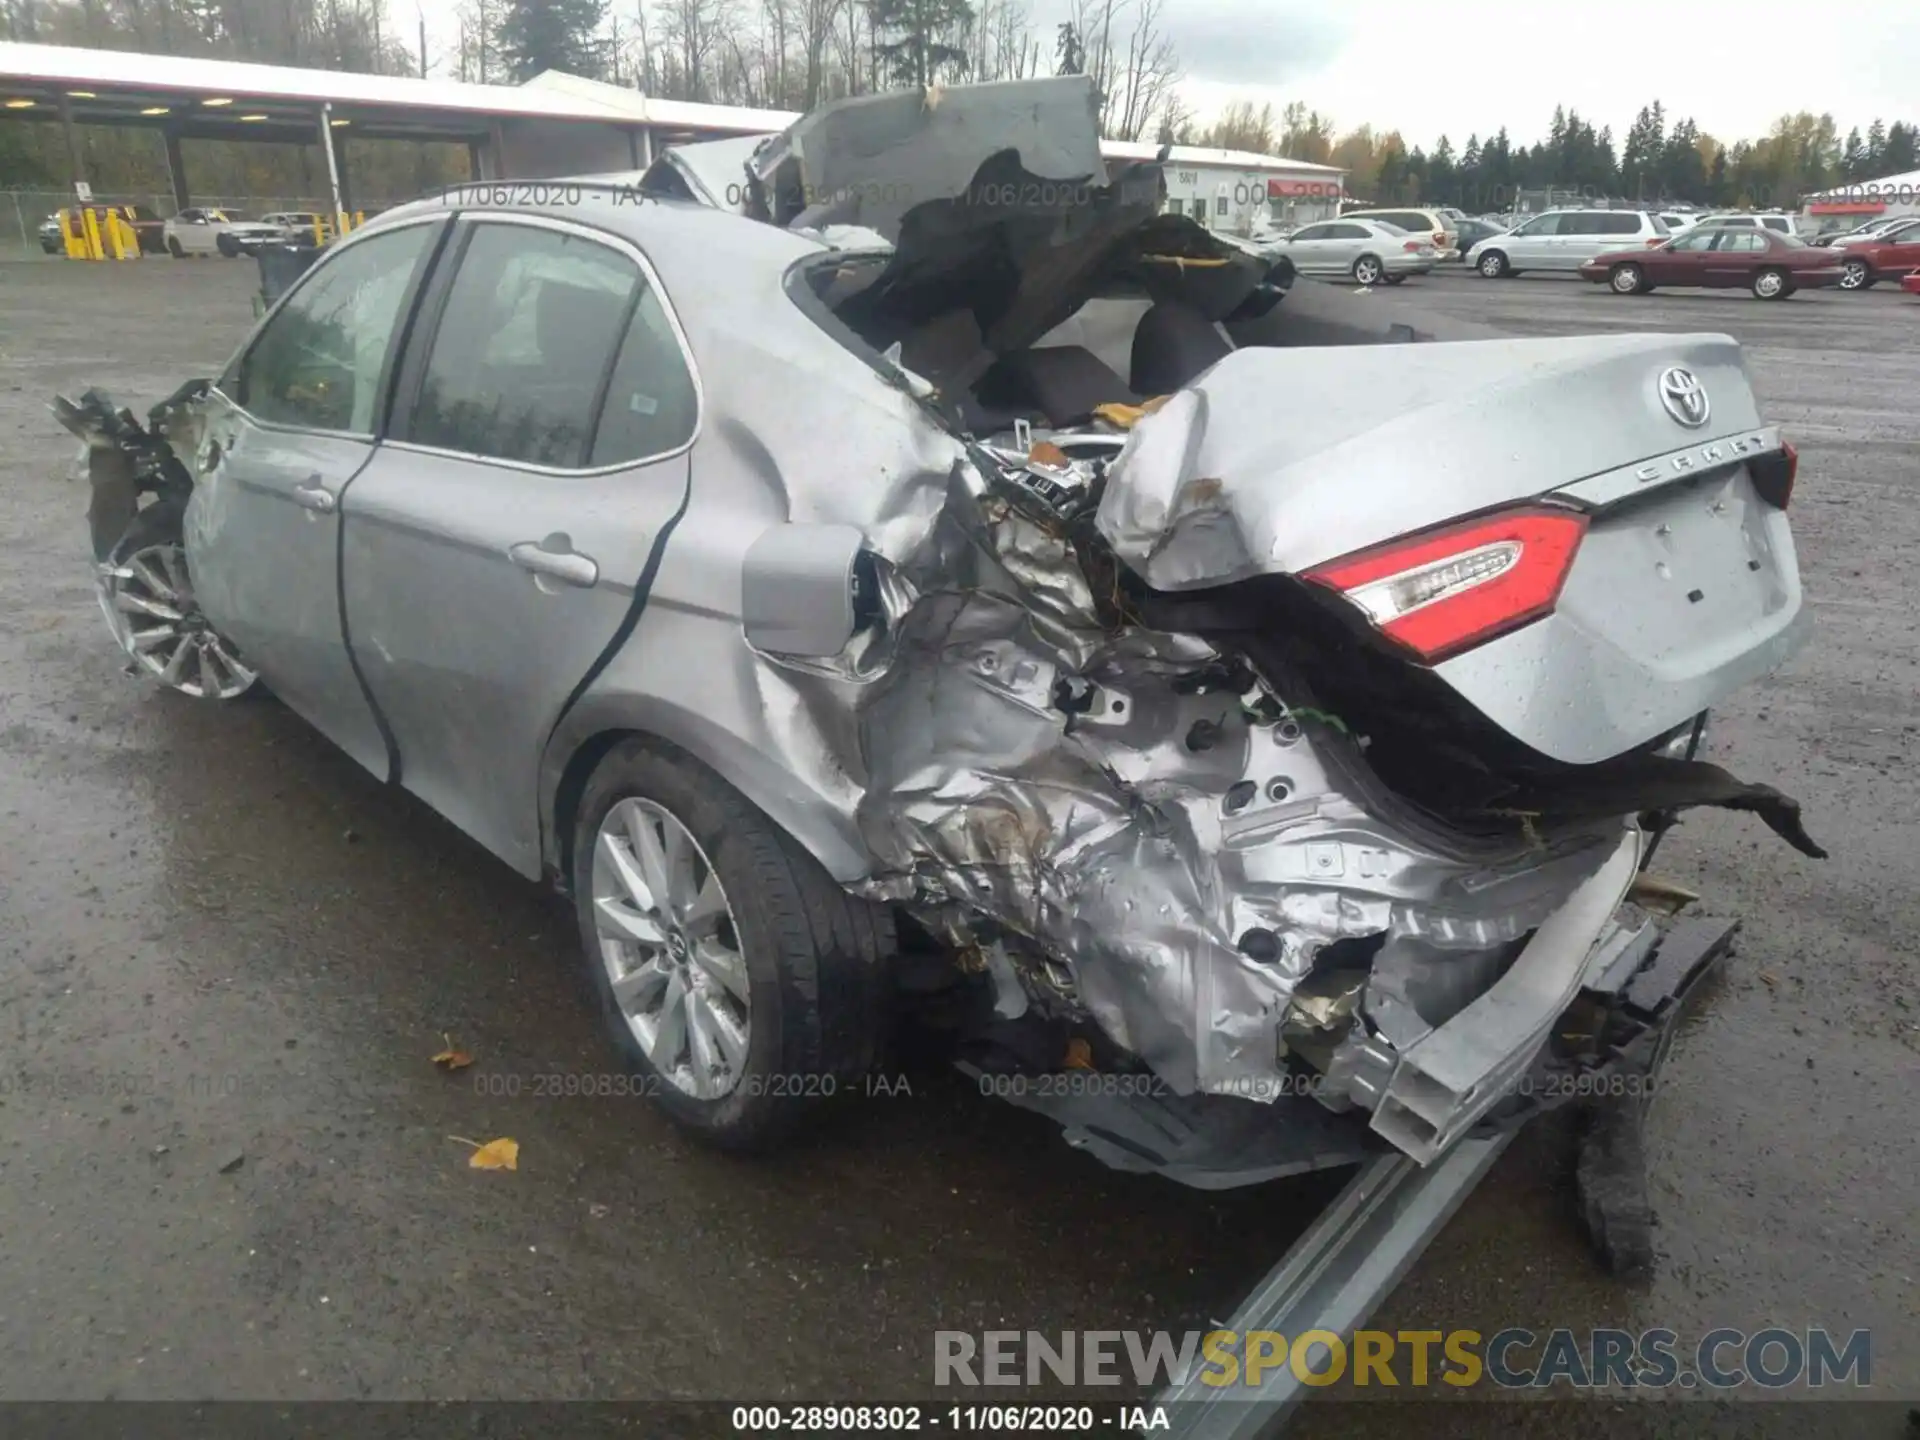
<point x="23" y="211"/>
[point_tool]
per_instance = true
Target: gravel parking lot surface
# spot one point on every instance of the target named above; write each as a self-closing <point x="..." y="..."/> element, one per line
<point x="225" y="1163"/>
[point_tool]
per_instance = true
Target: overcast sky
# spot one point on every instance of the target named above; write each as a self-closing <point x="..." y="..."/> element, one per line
<point x="1428" y="67"/>
<point x="1461" y="67"/>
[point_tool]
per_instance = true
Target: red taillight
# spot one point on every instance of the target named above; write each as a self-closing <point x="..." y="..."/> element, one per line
<point x="1773" y="475"/>
<point x="1414" y="247"/>
<point x="1447" y="590"/>
<point x="1440" y="239"/>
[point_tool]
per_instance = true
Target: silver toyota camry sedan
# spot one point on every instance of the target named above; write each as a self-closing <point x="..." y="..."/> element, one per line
<point x="918" y="577"/>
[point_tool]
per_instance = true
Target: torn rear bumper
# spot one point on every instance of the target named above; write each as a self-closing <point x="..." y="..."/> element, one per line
<point x="1605" y="1037"/>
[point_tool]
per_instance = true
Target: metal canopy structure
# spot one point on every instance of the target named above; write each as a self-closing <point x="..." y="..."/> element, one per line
<point x="553" y="125"/>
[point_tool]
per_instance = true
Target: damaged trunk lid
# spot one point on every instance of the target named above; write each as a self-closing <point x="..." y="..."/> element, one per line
<point x="1644" y="457"/>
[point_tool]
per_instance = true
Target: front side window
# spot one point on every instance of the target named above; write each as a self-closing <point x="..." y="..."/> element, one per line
<point x="1699" y="240"/>
<point x="1541" y="227"/>
<point x="525" y="342"/>
<point x="318" y="362"/>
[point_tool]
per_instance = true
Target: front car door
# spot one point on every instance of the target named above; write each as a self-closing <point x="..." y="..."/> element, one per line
<point x="287" y="428"/>
<point x="1530" y="244"/>
<point x="1682" y="261"/>
<point x="1308" y="247"/>
<point x="498" y="548"/>
<point x="1902" y="255"/>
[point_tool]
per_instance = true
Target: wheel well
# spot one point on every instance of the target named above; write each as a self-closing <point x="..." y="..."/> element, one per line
<point x="566" y="796"/>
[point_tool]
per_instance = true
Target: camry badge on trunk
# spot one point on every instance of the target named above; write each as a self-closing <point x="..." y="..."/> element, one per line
<point x="1684" y="397"/>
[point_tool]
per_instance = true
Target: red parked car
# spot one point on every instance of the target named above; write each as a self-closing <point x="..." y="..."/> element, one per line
<point x="1911" y="284"/>
<point x="1867" y="265"/>
<point x="1771" y="265"/>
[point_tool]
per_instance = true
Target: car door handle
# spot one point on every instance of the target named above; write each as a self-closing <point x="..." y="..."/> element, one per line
<point x="556" y="561"/>
<point x="314" y="496"/>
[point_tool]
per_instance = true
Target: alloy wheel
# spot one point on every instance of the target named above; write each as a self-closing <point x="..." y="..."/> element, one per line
<point x="1854" y="275"/>
<point x="148" y="597"/>
<point x="1366" y="271"/>
<point x="671" y="948"/>
<point x="1768" y="284"/>
<point x="1626" y="279"/>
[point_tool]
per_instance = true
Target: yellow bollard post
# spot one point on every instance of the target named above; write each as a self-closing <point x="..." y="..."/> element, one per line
<point x="92" y="223"/>
<point x="319" y="231"/>
<point x="126" y="245"/>
<point x="71" y="240"/>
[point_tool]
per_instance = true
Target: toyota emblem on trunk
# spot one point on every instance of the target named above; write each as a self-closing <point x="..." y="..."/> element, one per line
<point x="1684" y="396"/>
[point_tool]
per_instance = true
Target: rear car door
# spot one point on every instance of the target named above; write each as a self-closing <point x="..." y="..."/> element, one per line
<point x="1581" y="236"/>
<point x="1345" y="240"/>
<point x="287" y="429"/>
<point x="1735" y="255"/>
<point x="500" y="546"/>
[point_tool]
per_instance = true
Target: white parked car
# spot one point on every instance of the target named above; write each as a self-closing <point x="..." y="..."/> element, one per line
<point x="201" y="231"/>
<point x="1368" y="250"/>
<point x="1776" y="222"/>
<point x="293" y="224"/>
<point x="1565" y="240"/>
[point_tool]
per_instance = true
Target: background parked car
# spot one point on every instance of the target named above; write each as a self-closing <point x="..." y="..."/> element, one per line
<point x="293" y="224"/>
<point x="1472" y="232"/>
<point x="146" y="225"/>
<point x="1368" y="250"/>
<point x="1430" y="223"/>
<point x="1911" y="283"/>
<point x="1771" y="265"/>
<point x="1887" y="256"/>
<point x="206" y="232"/>
<point x="1776" y="222"/>
<point x="1565" y="240"/>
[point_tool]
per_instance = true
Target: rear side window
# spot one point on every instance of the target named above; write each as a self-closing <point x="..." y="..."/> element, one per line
<point x="1346" y="232"/>
<point x="317" y="364"/>
<point x="651" y="405"/>
<point x="1585" y="222"/>
<point x="524" y="346"/>
<point x="1619" y="222"/>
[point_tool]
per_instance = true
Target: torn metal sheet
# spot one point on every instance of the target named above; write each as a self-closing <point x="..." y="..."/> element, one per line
<point x="870" y="159"/>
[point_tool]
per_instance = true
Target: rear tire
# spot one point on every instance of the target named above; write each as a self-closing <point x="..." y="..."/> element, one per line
<point x="807" y="958"/>
<point x="227" y="246"/>
<point x="1493" y="265"/>
<point x="1771" y="284"/>
<point x="174" y="248"/>
<point x="1367" y="270"/>
<point x="1856" y="275"/>
<point x="1628" y="279"/>
<point x="1394" y="279"/>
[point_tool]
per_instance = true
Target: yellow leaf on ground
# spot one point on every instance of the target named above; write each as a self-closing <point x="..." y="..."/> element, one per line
<point x="501" y="1154"/>
<point x="453" y="1057"/>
